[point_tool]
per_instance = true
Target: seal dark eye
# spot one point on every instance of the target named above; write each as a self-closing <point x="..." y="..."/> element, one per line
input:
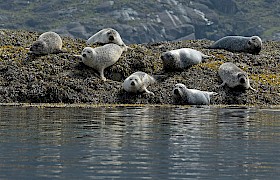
<point x="249" y="42"/>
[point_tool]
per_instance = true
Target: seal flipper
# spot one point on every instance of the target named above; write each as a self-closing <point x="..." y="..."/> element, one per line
<point x="205" y="57"/>
<point x="147" y="91"/>
<point x="223" y="84"/>
<point x="250" y="87"/>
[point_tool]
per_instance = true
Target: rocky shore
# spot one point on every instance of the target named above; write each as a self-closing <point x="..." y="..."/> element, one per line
<point x="63" y="78"/>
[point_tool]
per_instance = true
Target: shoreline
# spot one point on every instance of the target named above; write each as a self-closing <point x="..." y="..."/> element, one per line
<point x="80" y="105"/>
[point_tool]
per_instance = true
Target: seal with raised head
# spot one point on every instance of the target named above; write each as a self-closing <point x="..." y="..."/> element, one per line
<point x="138" y="82"/>
<point x="182" y="58"/>
<point x="252" y="45"/>
<point x="106" y="36"/>
<point x="47" y="43"/>
<point x="101" y="57"/>
<point x="233" y="76"/>
<point x="183" y="95"/>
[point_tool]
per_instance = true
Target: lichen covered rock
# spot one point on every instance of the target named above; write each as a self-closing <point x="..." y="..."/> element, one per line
<point x="63" y="78"/>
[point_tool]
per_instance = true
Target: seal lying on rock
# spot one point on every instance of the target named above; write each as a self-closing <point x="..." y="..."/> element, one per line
<point x="182" y="58"/>
<point x="252" y="45"/>
<point x="47" y="43"/>
<point x="183" y="95"/>
<point x="233" y="76"/>
<point x="106" y="36"/>
<point x="101" y="57"/>
<point x="138" y="82"/>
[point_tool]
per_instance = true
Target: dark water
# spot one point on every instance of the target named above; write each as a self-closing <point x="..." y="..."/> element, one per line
<point x="139" y="142"/>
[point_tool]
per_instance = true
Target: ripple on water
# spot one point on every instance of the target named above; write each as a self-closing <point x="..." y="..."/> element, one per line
<point x="139" y="142"/>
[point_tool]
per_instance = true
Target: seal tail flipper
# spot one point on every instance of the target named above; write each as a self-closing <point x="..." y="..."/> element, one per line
<point x="79" y="56"/>
<point x="149" y="92"/>
<point x="221" y="85"/>
<point x="127" y="47"/>
<point x="159" y="77"/>
<point x="206" y="57"/>
<point x="250" y="87"/>
<point x="58" y="51"/>
<point x="213" y="93"/>
<point x="210" y="47"/>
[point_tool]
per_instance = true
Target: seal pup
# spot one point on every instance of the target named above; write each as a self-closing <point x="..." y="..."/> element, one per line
<point x="47" y="43"/>
<point x="106" y="36"/>
<point x="182" y="58"/>
<point x="101" y="57"/>
<point x="191" y="96"/>
<point x="252" y="45"/>
<point x="233" y="76"/>
<point x="138" y="82"/>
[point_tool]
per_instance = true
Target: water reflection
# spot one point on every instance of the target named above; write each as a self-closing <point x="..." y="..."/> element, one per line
<point x="139" y="142"/>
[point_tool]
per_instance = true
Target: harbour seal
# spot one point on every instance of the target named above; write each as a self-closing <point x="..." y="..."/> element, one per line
<point x="183" y="95"/>
<point x="106" y="36"/>
<point x="138" y="82"/>
<point x="47" y="43"/>
<point x="233" y="76"/>
<point x="101" y="57"/>
<point x="252" y="45"/>
<point x="182" y="58"/>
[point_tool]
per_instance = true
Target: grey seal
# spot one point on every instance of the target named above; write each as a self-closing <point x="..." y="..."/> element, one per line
<point x="47" y="43"/>
<point x="183" y="95"/>
<point x="101" y="57"/>
<point x="252" y="45"/>
<point x="106" y="36"/>
<point x="233" y="76"/>
<point x="182" y="58"/>
<point x="138" y="82"/>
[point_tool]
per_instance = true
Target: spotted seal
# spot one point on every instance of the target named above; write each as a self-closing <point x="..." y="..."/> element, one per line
<point x="182" y="58"/>
<point x="252" y="45"/>
<point x="183" y="95"/>
<point x="101" y="57"/>
<point x="106" y="36"/>
<point x="233" y="76"/>
<point x="47" y="43"/>
<point x="138" y="82"/>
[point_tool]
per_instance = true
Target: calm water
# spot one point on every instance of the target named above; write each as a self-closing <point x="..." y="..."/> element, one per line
<point x="139" y="142"/>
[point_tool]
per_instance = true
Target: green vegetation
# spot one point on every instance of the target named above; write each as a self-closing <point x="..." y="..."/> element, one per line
<point x="38" y="15"/>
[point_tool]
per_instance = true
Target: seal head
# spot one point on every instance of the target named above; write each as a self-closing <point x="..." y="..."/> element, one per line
<point x="138" y="82"/>
<point x="254" y="45"/>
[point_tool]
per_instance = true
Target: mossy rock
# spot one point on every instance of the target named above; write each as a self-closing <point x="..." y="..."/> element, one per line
<point x="63" y="78"/>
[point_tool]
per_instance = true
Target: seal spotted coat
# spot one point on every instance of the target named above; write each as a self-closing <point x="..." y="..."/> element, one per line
<point x="233" y="76"/>
<point x="182" y="58"/>
<point x="252" y="45"/>
<point x="101" y="57"/>
<point x="47" y="43"/>
<point x="106" y="36"/>
<point x="183" y="95"/>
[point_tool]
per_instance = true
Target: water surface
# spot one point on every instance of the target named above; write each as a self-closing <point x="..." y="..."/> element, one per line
<point x="139" y="142"/>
